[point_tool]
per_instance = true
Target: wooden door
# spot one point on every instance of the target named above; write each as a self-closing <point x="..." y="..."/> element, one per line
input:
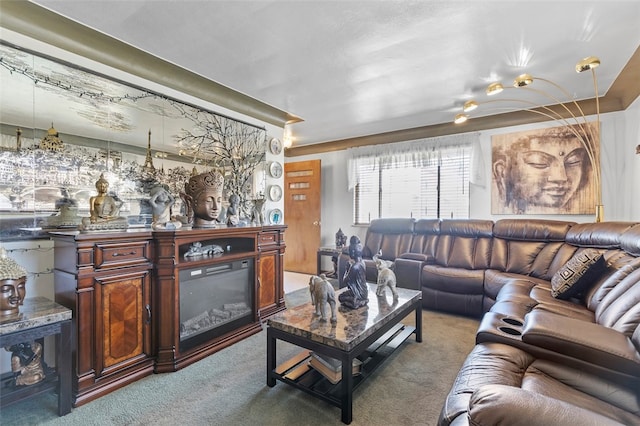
<point x="302" y="204"/>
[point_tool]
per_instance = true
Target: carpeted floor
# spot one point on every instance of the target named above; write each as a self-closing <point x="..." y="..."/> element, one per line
<point x="229" y="387"/>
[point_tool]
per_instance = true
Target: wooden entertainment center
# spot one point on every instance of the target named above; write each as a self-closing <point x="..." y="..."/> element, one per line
<point x="124" y="290"/>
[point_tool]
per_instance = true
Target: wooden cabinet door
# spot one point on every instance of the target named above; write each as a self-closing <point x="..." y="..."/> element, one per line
<point x="268" y="279"/>
<point x="122" y="326"/>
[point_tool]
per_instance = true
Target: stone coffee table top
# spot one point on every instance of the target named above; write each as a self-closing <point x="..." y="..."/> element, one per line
<point x="354" y="325"/>
<point x="35" y="312"/>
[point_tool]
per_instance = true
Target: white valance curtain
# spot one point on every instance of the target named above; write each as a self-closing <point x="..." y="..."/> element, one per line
<point x="418" y="152"/>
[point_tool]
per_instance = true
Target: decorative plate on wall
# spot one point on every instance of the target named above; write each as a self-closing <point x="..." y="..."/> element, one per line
<point x="275" y="192"/>
<point x="275" y="146"/>
<point x="275" y="216"/>
<point x="275" y="169"/>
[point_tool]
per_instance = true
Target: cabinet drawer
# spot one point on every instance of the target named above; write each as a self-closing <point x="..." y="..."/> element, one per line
<point x="266" y="239"/>
<point x="118" y="254"/>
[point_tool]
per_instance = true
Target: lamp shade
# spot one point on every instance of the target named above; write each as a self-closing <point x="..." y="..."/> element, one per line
<point x="460" y="118"/>
<point x="588" y="63"/>
<point x="494" y="89"/>
<point x="469" y="106"/>
<point x="523" y="80"/>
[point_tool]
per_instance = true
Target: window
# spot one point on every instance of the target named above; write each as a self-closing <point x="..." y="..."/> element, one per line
<point x="425" y="182"/>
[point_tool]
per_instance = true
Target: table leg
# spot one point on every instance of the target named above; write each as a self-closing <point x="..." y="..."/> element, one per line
<point x="347" y="387"/>
<point x="271" y="358"/>
<point x="63" y="365"/>
<point x="319" y="263"/>
<point x="418" y="330"/>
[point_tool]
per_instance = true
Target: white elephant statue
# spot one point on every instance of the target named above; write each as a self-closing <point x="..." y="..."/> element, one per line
<point x="386" y="276"/>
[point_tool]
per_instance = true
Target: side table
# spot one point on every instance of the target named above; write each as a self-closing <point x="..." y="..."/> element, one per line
<point x="328" y="251"/>
<point x="39" y="317"/>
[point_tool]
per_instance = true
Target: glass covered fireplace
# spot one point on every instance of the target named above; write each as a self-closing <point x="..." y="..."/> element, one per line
<point x="215" y="299"/>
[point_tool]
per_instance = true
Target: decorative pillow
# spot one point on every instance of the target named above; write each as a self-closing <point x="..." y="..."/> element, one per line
<point x="577" y="274"/>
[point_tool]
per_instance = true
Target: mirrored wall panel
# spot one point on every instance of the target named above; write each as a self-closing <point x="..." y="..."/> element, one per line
<point x="62" y="127"/>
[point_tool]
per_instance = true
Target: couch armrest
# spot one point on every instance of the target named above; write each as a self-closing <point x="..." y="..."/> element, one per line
<point x="582" y="340"/>
<point x="424" y="258"/>
<point x="506" y="405"/>
<point x="408" y="271"/>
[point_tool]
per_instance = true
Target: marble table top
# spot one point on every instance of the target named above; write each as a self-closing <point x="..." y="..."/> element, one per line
<point x="354" y="325"/>
<point x="35" y="312"/>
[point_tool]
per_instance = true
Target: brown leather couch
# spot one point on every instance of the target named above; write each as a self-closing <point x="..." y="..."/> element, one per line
<point x="538" y="359"/>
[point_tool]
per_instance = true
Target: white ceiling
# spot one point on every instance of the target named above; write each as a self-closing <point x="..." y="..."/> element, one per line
<point x="355" y="68"/>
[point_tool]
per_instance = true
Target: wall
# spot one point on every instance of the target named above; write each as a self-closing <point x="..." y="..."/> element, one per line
<point x="620" y="174"/>
<point x="632" y="130"/>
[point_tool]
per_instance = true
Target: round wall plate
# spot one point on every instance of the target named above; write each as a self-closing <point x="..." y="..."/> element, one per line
<point x="275" y="146"/>
<point x="275" y="216"/>
<point x="275" y="169"/>
<point x="275" y="192"/>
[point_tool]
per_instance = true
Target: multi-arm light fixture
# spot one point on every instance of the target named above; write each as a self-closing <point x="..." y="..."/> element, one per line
<point x="574" y="119"/>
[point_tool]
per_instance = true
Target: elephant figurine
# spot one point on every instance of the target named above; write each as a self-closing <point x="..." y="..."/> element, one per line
<point x="386" y="276"/>
<point x="322" y="292"/>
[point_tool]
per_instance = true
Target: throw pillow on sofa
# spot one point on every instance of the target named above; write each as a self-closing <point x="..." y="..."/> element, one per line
<point x="577" y="274"/>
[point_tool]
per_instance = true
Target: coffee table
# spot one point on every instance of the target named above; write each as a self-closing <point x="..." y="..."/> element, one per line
<point x="370" y="333"/>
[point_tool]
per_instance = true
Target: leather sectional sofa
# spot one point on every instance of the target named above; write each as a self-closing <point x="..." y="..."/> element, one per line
<point x="540" y="357"/>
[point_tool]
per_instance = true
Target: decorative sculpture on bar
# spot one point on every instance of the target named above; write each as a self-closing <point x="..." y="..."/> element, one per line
<point x="355" y="277"/>
<point x="203" y="196"/>
<point x="104" y="209"/>
<point x="26" y="363"/>
<point x="233" y="215"/>
<point x="341" y="239"/>
<point x="257" y="213"/>
<point x="197" y="249"/>
<point x="161" y="202"/>
<point x="12" y="285"/>
<point x="322" y="293"/>
<point x="67" y="212"/>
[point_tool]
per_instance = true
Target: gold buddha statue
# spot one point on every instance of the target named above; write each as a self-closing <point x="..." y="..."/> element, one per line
<point x="104" y="210"/>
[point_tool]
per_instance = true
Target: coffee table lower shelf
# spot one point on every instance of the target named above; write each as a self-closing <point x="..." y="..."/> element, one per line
<point x="298" y="373"/>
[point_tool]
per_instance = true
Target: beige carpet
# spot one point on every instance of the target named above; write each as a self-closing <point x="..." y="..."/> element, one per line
<point x="229" y="387"/>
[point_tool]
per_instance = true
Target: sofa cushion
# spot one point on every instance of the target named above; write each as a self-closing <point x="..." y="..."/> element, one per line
<point x="573" y="278"/>
<point x="496" y="405"/>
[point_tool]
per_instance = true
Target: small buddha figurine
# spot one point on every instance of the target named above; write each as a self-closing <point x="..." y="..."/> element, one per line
<point x="355" y="277"/>
<point x="104" y="210"/>
<point x="161" y="202"/>
<point x="26" y="363"/>
<point x="203" y="196"/>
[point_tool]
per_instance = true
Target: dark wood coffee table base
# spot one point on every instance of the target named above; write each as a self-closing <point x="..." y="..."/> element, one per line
<point x="372" y="351"/>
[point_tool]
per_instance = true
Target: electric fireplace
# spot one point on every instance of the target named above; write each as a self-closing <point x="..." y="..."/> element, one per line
<point x="206" y="291"/>
<point x="214" y="300"/>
